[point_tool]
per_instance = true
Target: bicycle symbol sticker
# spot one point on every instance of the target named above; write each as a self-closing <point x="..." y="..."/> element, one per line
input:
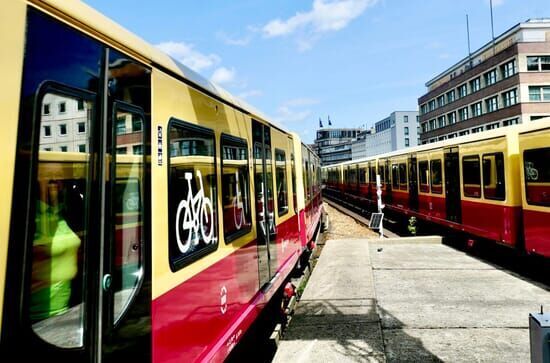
<point x="531" y="172"/>
<point x="195" y="215"/>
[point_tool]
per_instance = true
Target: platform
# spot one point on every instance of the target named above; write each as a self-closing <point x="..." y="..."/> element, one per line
<point x="402" y="300"/>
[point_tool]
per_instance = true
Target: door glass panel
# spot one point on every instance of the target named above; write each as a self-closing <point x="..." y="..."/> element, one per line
<point x="127" y="209"/>
<point x="60" y="230"/>
<point x="282" y="195"/>
<point x="537" y="176"/>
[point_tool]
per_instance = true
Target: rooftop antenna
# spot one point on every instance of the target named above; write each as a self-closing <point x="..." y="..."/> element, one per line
<point x="492" y="27"/>
<point x="468" y="34"/>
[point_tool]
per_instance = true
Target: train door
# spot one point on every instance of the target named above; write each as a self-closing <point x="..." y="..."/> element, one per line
<point x="78" y="274"/>
<point x="452" y="185"/>
<point x="413" y="184"/>
<point x="387" y="176"/>
<point x="265" y="217"/>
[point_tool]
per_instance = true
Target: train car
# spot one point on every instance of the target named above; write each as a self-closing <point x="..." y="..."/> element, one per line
<point x="534" y="148"/>
<point x="470" y="184"/>
<point x="149" y="214"/>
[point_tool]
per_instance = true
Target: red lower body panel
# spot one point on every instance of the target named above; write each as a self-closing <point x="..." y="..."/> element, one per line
<point x="537" y="232"/>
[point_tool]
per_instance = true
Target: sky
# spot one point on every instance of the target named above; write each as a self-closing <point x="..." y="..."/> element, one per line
<point x="300" y="60"/>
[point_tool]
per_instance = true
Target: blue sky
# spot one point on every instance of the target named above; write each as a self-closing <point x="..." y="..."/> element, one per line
<point x="355" y="60"/>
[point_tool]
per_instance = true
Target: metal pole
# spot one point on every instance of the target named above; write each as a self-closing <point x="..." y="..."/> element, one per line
<point x="492" y="27"/>
<point x="468" y="34"/>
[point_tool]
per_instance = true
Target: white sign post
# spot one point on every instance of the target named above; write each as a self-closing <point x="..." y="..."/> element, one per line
<point x="380" y="205"/>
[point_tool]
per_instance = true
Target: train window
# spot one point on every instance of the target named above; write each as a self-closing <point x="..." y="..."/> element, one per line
<point x="395" y="176"/>
<point x="471" y="175"/>
<point x="280" y="180"/>
<point x="192" y="192"/>
<point x="346" y="174"/>
<point x="403" y="176"/>
<point x="353" y="174"/>
<point x="424" y="172"/>
<point x="436" y="176"/>
<point x="382" y="174"/>
<point x="537" y="176"/>
<point x="294" y="198"/>
<point x="493" y="176"/>
<point x="237" y="216"/>
<point x="127" y="228"/>
<point x="362" y="175"/>
<point x="372" y="176"/>
<point x="60" y="230"/>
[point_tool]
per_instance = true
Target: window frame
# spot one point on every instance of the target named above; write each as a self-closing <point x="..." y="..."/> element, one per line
<point x="547" y="149"/>
<point x="439" y="187"/>
<point x="178" y="263"/>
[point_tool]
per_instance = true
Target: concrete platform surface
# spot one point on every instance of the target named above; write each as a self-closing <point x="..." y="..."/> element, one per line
<point x="371" y="300"/>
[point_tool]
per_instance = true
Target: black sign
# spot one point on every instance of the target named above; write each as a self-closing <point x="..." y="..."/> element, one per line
<point x="376" y="220"/>
<point x="159" y="146"/>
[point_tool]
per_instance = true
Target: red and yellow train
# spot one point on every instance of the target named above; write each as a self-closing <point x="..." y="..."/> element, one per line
<point x="148" y="214"/>
<point x="493" y="185"/>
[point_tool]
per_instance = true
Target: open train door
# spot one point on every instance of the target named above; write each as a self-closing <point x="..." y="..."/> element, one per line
<point x="452" y="185"/>
<point x="413" y="183"/>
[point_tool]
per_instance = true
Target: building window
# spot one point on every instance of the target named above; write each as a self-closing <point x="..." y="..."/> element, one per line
<point x="121" y="125"/>
<point x="432" y="124"/>
<point x="63" y="148"/>
<point x="508" y="69"/>
<point x="475" y="84"/>
<point x="463" y="113"/>
<point x="493" y="176"/>
<point x="431" y="105"/>
<point x="424" y="127"/>
<point x="493" y="126"/>
<point x="63" y="129"/>
<point x="538" y="63"/>
<point x="441" y="121"/>
<point x="514" y="121"/>
<point x="192" y="229"/>
<point x="122" y="150"/>
<point x="476" y="109"/>
<point x="441" y="101"/>
<point x="539" y="93"/>
<point x="80" y="104"/>
<point x="137" y="123"/>
<point x="46" y="109"/>
<point x="81" y="127"/>
<point x="462" y="90"/>
<point x="62" y="106"/>
<point x="407" y="141"/>
<point x="424" y="109"/>
<point x="492" y="104"/>
<point x="82" y="148"/>
<point x="451" y="118"/>
<point x="471" y="174"/>
<point x="47" y="131"/>
<point x="405" y="118"/>
<point x="451" y="96"/>
<point x="406" y="130"/>
<point x="475" y="130"/>
<point x="137" y="149"/>
<point x="490" y="77"/>
<point x="510" y="98"/>
<point x="465" y="132"/>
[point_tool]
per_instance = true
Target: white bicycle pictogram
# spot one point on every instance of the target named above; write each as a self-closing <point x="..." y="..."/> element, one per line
<point x="198" y="214"/>
<point x="531" y="172"/>
<point x="238" y="214"/>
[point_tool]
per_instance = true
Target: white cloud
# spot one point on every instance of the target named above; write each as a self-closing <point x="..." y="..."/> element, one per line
<point x="294" y="110"/>
<point x="325" y="16"/>
<point x="223" y="75"/>
<point x="252" y="93"/>
<point x="186" y="54"/>
<point x="240" y="42"/>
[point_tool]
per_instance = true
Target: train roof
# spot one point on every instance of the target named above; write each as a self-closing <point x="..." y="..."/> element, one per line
<point x="485" y="135"/>
<point x="102" y="27"/>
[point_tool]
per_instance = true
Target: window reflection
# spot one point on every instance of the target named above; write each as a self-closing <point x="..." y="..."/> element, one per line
<point x="56" y="306"/>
